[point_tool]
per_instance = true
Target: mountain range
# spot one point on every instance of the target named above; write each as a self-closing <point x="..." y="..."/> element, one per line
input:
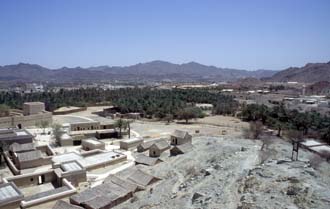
<point x="150" y="71"/>
<point x="160" y="71"/>
<point x="310" y="73"/>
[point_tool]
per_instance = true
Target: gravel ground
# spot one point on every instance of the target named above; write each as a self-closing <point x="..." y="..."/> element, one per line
<point x="226" y="172"/>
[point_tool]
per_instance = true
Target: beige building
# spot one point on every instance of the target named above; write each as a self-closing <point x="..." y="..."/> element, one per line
<point x="10" y="196"/>
<point x="33" y="113"/>
<point x="181" y="149"/>
<point x="91" y="144"/>
<point x="32" y="108"/>
<point x="180" y="137"/>
<point x="130" y="143"/>
<point x="158" y="148"/>
<point x="26" y="156"/>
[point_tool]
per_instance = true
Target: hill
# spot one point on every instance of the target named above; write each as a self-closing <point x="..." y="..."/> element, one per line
<point x="310" y="73"/>
<point x="151" y="71"/>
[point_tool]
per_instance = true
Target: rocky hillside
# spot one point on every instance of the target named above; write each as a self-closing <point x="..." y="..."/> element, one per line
<point x="151" y="71"/>
<point x="310" y="73"/>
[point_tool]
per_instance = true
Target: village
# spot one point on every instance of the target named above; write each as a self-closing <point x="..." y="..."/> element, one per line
<point x="89" y="161"/>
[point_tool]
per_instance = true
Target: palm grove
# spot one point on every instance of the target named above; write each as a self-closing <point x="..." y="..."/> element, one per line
<point x="176" y="104"/>
<point x="152" y="103"/>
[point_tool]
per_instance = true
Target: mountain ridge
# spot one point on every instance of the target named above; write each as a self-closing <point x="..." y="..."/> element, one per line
<point x="150" y="71"/>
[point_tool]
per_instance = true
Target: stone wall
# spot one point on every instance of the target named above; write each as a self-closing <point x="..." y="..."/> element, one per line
<point x="25" y="121"/>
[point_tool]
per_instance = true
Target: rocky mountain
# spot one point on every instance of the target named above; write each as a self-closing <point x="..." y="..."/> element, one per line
<point x="151" y="71"/>
<point x="310" y="73"/>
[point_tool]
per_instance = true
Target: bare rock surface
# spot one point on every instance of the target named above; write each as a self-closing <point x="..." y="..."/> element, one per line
<point x="218" y="173"/>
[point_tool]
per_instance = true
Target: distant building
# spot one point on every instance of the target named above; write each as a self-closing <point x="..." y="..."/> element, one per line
<point x="180" y="137"/>
<point x="32" y="108"/>
<point x="33" y="113"/>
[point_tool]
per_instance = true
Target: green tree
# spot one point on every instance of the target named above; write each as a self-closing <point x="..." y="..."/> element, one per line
<point x="121" y="124"/>
<point x="187" y="114"/>
<point x="57" y="132"/>
<point x="169" y="118"/>
<point x="4" y="110"/>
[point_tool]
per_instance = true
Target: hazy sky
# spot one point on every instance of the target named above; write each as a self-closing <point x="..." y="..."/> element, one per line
<point x="246" y="34"/>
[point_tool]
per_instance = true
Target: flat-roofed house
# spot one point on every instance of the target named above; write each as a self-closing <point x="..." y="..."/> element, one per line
<point x="18" y="148"/>
<point x="92" y="143"/>
<point x="20" y="136"/>
<point x="31" y="108"/>
<point x="130" y="143"/>
<point x="10" y="196"/>
<point x="28" y="159"/>
<point x="180" y="137"/>
<point x="158" y="148"/>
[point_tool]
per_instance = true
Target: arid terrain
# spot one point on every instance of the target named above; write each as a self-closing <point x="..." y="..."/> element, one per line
<point x="227" y="171"/>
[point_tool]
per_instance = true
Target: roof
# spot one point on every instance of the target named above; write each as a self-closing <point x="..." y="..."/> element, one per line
<point x="15" y="147"/>
<point x="28" y="156"/>
<point x="14" y="133"/>
<point x="109" y="190"/>
<point x="60" y="204"/>
<point x="87" y="161"/>
<point x="141" y="178"/>
<point x="34" y="103"/>
<point x="132" y="140"/>
<point x="54" y="191"/>
<point x="70" y="156"/>
<point x="71" y="166"/>
<point x="146" y="145"/>
<point x="161" y="145"/>
<point x="145" y="160"/>
<point x="183" y="148"/>
<point x="65" y="136"/>
<point x="179" y="134"/>
<point x="121" y="182"/>
<point x="9" y="193"/>
<point x="92" y="141"/>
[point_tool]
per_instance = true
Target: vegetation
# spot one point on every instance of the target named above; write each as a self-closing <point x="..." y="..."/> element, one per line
<point x="311" y="124"/>
<point x="121" y="124"/>
<point x="4" y="110"/>
<point x="57" y="132"/>
<point x="150" y="102"/>
<point x="43" y="124"/>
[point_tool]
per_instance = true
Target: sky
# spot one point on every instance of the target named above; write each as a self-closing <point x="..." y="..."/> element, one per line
<point x="241" y="34"/>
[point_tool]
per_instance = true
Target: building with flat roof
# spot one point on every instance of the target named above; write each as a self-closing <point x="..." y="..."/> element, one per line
<point x="130" y="143"/>
<point x="32" y="114"/>
<point x="32" y="108"/>
<point x="91" y="159"/>
<point x="10" y="196"/>
<point x="92" y="144"/>
<point x="19" y="136"/>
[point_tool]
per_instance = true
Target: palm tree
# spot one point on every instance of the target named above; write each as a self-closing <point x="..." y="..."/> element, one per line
<point x="121" y="124"/>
